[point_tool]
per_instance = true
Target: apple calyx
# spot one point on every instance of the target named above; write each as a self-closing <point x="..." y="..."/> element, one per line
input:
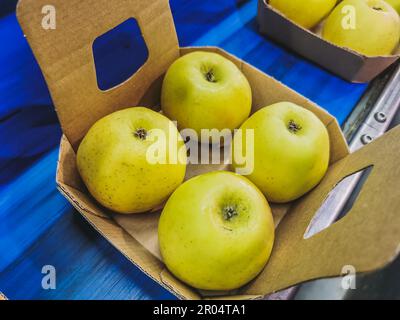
<point x="210" y="77"/>
<point x="229" y="212"/>
<point x="377" y="8"/>
<point x="141" y="134"/>
<point x="294" y="127"/>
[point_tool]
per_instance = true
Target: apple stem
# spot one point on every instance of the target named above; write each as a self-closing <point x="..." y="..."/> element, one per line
<point x="210" y="77"/>
<point x="294" y="127"/>
<point x="229" y="212"/>
<point x="141" y="134"/>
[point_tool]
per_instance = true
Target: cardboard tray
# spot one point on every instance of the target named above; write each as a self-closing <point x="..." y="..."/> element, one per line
<point x="366" y="238"/>
<point x="343" y="62"/>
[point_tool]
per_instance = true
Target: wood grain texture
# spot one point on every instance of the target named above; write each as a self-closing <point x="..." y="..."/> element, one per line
<point x="37" y="225"/>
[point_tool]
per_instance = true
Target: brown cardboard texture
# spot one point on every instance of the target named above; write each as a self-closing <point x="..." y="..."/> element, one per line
<point x="346" y="63"/>
<point x="367" y="237"/>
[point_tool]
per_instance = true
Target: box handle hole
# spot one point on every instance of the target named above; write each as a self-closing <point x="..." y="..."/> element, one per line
<point x="119" y="54"/>
<point x="338" y="202"/>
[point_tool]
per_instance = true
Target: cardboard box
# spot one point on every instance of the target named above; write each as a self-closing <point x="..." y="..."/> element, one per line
<point x="346" y="63"/>
<point x="367" y="238"/>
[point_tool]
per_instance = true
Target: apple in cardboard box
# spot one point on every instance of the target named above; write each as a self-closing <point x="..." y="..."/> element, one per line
<point x="216" y="231"/>
<point x="306" y="13"/>
<point x="113" y="160"/>
<point x="395" y="4"/>
<point x="369" y="27"/>
<point x="291" y="151"/>
<point x="204" y="90"/>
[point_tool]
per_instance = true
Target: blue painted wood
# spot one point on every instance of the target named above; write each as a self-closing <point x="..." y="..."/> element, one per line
<point x="37" y="225"/>
<point x="41" y="228"/>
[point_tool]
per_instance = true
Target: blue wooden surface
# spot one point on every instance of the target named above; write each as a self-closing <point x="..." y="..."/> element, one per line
<point x="37" y="225"/>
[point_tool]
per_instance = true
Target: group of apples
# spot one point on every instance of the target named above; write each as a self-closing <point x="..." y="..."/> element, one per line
<point x="216" y="231"/>
<point x="369" y="27"/>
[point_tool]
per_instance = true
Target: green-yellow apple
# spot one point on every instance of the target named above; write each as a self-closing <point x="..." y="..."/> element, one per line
<point x="307" y="13"/>
<point x="370" y="27"/>
<point x="216" y="231"/>
<point x="291" y="151"/>
<point x="395" y="4"/>
<point x="115" y="162"/>
<point x="204" y="90"/>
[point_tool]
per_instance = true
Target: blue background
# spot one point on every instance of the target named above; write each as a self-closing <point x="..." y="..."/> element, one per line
<point x="37" y="225"/>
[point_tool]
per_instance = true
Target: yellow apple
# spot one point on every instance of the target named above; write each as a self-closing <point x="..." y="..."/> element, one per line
<point x="307" y="13"/>
<point x="115" y="163"/>
<point x="216" y="231"/>
<point x="203" y="90"/>
<point x="370" y="27"/>
<point x="395" y="4"/>
<point x="291" y="151"/>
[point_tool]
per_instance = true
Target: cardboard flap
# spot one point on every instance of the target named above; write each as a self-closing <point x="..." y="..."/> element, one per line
<point x="367" y="238"/>
<point x="66" y="58"/>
